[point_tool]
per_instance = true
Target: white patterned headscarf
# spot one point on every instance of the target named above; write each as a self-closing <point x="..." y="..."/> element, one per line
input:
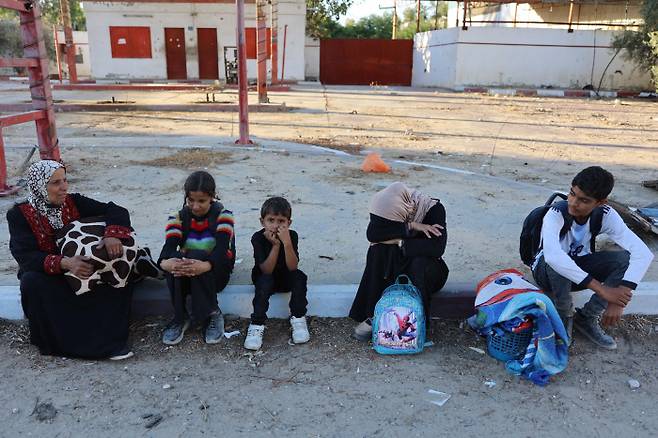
<point x="38" y="176"/>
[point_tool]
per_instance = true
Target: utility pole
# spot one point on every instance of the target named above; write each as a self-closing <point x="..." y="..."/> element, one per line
<point x="417" y="16"/>
<point x="395" y="19"/>
<point x="68" y="39"/>
<point x="436" y="15"/>
<point x="261" y="52"/>
<point x="274" y="11"/>
<point x="242" y="75"/>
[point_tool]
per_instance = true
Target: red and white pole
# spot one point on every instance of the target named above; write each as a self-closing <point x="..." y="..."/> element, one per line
<point x="243" y="91"/>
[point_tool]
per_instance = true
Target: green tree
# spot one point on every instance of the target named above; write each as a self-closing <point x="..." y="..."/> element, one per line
<point x="322" y="16"/>
<point x="642" y="45"/>
<point x="373" y="26"/>
<point x="429" y="18"/>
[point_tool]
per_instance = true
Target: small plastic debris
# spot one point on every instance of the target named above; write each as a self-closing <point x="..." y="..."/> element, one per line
<point x="166" y="386"/>
<point x="489" y="383"/>
<point x="374" y="163"/>
<point x="428" y="344"/>
<point x="252" y="180"/>
<point x="325" y="257"/>
<point x="15" y="411"/>
<point x="358" y="370"/>
<point x="154" y="421"/>
<point x="634" y="384"/>
<point x="477" y="350"/>
<point x="588" y="381"/>
<point x="229" y="335"/>
<point x="440" y="399"/>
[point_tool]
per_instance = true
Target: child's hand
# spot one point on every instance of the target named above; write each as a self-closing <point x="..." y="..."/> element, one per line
<point x="612" y="315"/>
<point x="271" y="236"/>
<point x="172" y="266"/>
<point x="192" y="267"/>
<point x="283" y="233"/>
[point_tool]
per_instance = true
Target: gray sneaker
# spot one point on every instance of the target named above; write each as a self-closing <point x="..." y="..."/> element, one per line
<point x="363" y="331"/>
<point x="174" y="332"/>
<point x="215" y="328"/>
<point x="591" y="329"/>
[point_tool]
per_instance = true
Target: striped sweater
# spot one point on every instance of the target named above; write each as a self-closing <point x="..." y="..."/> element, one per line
<point x="216" y="240"/>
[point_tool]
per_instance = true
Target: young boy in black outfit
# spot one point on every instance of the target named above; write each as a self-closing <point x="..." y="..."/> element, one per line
<point x="567" y="261"/>
<point x="276" y="258"/>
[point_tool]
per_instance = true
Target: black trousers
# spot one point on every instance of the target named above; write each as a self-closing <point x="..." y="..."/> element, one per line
<point x="269" y="284"/>
<point x="93" y="325"/>
<point x="202" y="289"/>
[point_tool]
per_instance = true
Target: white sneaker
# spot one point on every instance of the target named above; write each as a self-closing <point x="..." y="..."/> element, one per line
<point x="254" y="339"/>
<point x="299" y="330"/>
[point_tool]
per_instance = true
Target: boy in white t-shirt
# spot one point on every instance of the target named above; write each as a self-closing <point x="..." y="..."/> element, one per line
<point x="567" y="260"/>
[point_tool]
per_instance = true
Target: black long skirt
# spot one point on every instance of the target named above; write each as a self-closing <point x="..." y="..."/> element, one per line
<point x="93" y="325"/>
<point x="383" y="264"/>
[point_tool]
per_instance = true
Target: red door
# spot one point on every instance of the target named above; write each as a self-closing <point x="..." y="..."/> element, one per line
<point x="175" y="52"/>
<point x="208" y="53"/>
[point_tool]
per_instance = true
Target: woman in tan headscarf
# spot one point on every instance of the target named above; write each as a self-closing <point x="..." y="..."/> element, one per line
<point x="407" y="234"/>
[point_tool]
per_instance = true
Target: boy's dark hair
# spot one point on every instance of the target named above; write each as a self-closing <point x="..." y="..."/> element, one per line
<point x="595" y="181"/>
<point x="276" y="205"/>
<point x="200" y="181"/>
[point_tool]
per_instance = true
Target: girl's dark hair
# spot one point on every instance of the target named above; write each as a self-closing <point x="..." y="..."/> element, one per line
<point x="200" y="181"/>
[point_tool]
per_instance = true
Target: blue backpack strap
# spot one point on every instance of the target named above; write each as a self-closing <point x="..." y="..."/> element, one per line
<point x="563" y="207"/>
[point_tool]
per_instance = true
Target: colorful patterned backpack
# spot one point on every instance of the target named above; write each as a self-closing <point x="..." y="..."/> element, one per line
<point x="398" y="326"/>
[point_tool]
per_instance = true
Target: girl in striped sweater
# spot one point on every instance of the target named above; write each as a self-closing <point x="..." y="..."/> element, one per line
<point x="198" y="258"/>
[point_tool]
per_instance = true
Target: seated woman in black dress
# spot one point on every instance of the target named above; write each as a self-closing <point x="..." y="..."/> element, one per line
<point x="407" y="235"/>
<point x="93" y="325"/>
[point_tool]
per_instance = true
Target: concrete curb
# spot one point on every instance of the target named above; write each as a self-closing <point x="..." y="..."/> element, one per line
<point x="112" y="107"/>
<point x="549" y="92"/>
<point x="454" y="301"/>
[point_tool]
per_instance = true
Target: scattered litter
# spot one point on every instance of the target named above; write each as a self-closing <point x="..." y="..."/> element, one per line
<point x="325" y="257"/>
<point x="44" y="411"/>
<point x="15" y="411"/>
<point x="229" y="335"/>
<point x="358" y="370"/>
<point x="154" y="421"/>
<point x="441" y="397"/>
<point x="588" y="381"/>
<point x="409" y="132"/>
<point x="477" y="350"/>
<point x="489" y="383"/>
<point x="634" y="384"/>
<point x="354" y="112"/>
<point x="374" y="163"/>
<point x="350" y="192"/>
<point x="166" y="386"/>
<point x="253" y="355"/>
<point x="252" y="180"/>
<point x="428" y="344"/>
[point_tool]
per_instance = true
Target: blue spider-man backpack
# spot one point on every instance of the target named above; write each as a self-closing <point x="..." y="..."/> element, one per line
<point x="398" y="326"/>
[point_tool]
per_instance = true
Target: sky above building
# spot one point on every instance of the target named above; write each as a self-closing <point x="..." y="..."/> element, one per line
<point x="363" y="8"/>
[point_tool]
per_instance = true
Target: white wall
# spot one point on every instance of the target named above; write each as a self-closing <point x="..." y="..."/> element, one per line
<point x="515" y="57"/>
<point x="100" y="16"/>
<point x="81" y="48"/>
<point x="312" y="59"/>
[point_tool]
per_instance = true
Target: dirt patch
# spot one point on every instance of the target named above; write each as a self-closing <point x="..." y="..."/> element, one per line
<point x="190" y="159"/>
<point x="331" y="143"/>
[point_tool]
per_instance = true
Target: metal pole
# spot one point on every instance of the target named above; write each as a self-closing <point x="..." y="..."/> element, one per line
<point x="417" y="16"/>
<point x="40" y="91"/>
<point x="68" y="38"/>
<point x="242" y="75"/>
<point x="570" y="29"/>
<point x="283" y="63"/>
<point x="395" y="19"/>
<point x="457" y="15"/>
<point x="516" y="8"/>
<point x="275" y="49"/>
<point x="261" y="51"/>
<point x="57" y="54"/>
<point x="464" y="26"/>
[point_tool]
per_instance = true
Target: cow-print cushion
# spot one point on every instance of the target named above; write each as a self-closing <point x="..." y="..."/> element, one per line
<point x="82" y="237"/>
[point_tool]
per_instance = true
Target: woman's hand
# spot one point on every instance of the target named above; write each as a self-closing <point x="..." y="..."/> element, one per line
<point x="113" y="246"/>
<point x="78" y="266"/>
<point x="169" y="265"/>
<point x="426" y="229"/>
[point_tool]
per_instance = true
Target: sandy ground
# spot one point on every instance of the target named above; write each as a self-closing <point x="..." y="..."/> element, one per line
<point x="331" y="387"/>
<point x="506" y="155"/>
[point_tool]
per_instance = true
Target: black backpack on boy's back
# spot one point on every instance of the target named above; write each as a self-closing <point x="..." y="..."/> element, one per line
<point x="529" y="244"/>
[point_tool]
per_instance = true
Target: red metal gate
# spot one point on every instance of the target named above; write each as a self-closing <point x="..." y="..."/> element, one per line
<point x="364" y="62"/>
<point x="175" y="52"/>
<point x="208" y="58"/>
